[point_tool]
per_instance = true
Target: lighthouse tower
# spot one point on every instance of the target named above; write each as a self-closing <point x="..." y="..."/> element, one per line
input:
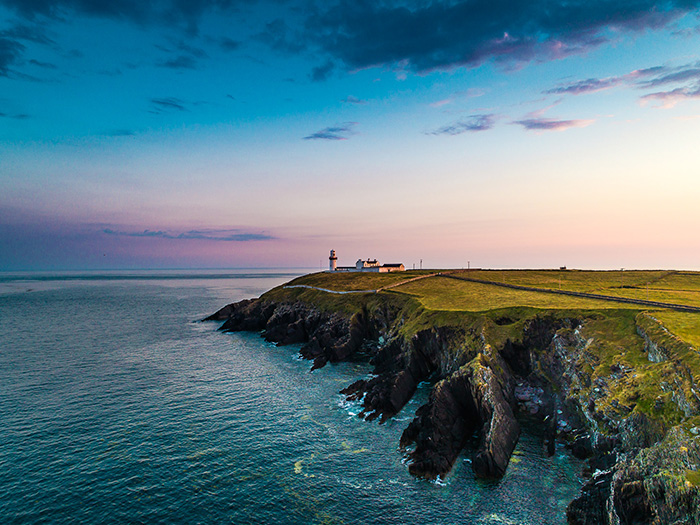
<point x="333" y="261"/>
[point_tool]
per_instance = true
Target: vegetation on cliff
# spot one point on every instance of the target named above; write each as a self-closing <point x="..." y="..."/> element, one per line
<point x="613" y="382"/>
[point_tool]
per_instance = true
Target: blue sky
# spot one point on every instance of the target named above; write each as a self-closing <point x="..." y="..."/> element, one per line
<point x="241" y="133"/>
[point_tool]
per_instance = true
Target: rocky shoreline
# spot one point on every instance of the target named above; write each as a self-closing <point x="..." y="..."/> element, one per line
<point x="488" y="372"/>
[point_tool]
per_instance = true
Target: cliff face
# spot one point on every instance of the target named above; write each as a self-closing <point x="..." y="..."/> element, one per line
<point x="579" y="375"/>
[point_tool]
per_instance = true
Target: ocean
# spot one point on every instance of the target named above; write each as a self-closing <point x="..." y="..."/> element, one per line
<point x="117" y="406"/>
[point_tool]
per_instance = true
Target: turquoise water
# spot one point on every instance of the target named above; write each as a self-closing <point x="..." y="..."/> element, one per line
<point x="116" y="407"/>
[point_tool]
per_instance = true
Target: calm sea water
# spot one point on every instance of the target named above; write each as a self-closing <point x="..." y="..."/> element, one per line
<point x="116" y="407"/>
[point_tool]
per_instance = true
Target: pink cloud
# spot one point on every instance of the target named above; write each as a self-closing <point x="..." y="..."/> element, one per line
<point x="668" y="99"/>
<point x="550" y="124"/>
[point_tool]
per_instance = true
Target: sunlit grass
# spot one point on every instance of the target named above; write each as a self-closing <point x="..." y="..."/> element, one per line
<point x="442" y="293"/>
<point x="684" y="325"/>
<point x="571" y="280"/>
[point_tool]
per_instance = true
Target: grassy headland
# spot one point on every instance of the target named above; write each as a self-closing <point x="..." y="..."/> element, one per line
<point x="435" y="293"/>
<point x="607" y="360"/>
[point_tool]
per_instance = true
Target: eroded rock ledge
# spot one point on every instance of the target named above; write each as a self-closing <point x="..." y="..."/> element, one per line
<point x="559" y="369"/>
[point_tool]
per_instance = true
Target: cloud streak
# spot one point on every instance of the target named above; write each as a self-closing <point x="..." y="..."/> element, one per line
<point x="683" y="81"/>
<point x="232" y="235"/>
<point x="338" y="132"/>
<point x="668" y="99"/>
<point x="590" y="85"/>
<point x="159" y="105"/>
<point x="16" y="116"/>
<point x="354" y="100"/>
<point x="550" y="124"/>
<point x="472" y="124"/>
<point x="179" y="62"/>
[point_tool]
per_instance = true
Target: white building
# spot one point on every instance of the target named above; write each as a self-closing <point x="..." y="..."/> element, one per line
<point x="369" y="265"/>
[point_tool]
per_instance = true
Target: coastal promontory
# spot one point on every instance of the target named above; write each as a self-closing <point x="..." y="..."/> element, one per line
<point x="605" y="363"/>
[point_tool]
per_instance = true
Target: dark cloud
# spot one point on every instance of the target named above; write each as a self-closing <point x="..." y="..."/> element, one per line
<point x="550" y="124"/>
<point x="12" y="49"/>
<point x="120" y="133"/>
<point x="131" y="9"/>
<point x="338" y="132"/>
<point x="35" y="34"/>
<point x="418" y="36"/>
<point x="228" y="44"/>
<point x="232" y="235"/>
<point x="10" y="53"/>
<point x="180" y="62"/>
<point x="447" y="34"/>
<point x="167" y="104"/>
<point x="45" y="65"/>
<point x="186" y="13"/>
<point x="279" y="36"/>
<point x="322" y="72"/>
<point x="472" y="123"/>
<point x="182" y="55"/>
<point x="16" y="116"/>
<point x="195" y="52"/>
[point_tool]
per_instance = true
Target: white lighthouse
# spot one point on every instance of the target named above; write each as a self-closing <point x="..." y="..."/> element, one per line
<point x="333" y="260"/>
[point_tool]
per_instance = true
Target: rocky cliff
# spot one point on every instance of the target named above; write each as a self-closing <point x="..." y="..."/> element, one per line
<point x="612" y="388"/>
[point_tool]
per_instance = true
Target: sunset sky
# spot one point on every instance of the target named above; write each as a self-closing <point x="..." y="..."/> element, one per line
<point x="243" y="133"/>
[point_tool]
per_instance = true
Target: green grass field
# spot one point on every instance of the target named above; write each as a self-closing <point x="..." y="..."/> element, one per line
<point x="442" y="295"/>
